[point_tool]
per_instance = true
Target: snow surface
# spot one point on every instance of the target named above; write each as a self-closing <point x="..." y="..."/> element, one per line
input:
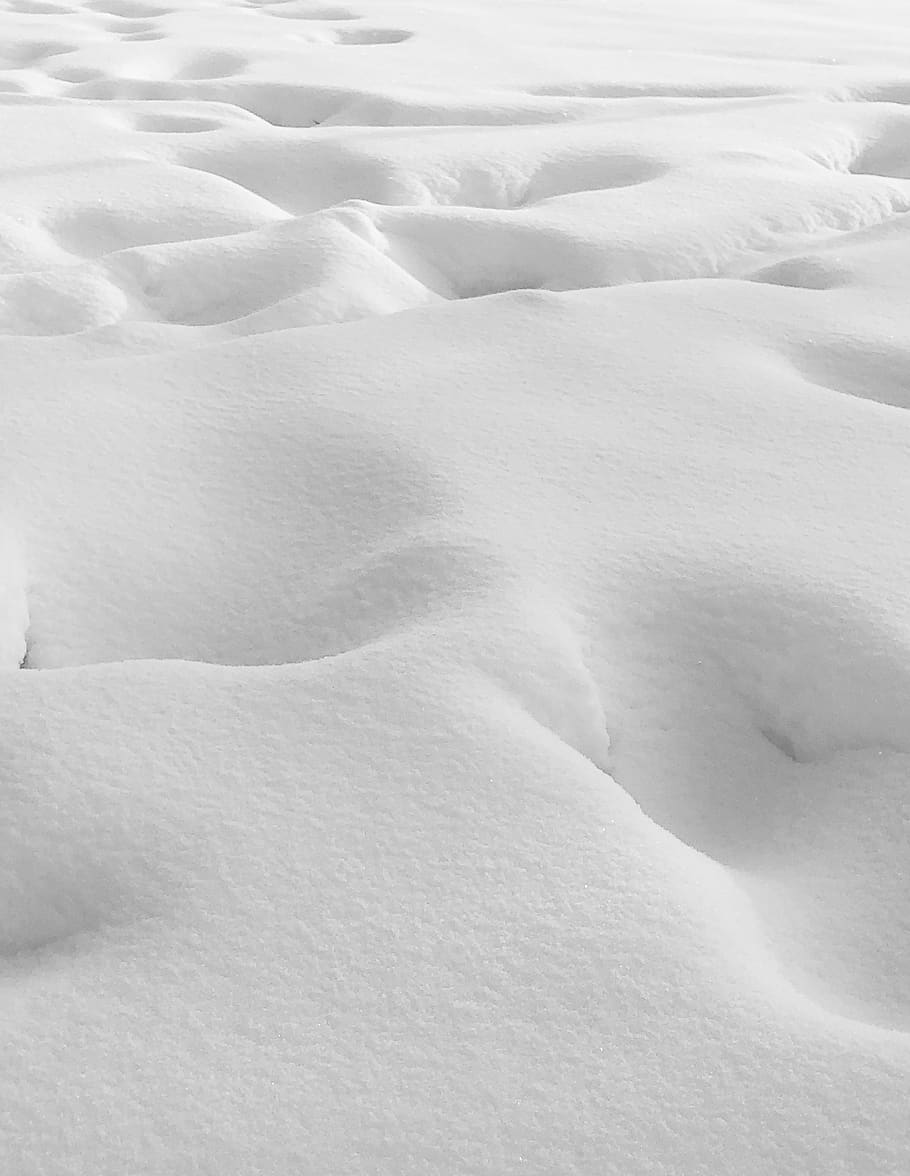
<point x="454" y="486"/>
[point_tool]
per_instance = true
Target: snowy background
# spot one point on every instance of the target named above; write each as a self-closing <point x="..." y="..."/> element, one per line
<point x="455" y="527"/>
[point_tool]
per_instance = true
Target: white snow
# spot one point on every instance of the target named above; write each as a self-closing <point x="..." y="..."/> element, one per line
<point x="455" y="527"/>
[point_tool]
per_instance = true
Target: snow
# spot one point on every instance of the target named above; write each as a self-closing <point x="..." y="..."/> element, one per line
<point x="453" y="527"/>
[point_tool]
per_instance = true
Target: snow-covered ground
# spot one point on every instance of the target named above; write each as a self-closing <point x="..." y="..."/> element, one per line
<point x="455" y="530"/>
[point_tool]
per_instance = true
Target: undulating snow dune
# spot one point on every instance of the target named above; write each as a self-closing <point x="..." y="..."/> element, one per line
<point x="455" y="535"/>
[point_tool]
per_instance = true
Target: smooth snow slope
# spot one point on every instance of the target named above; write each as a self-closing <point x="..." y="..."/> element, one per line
<point x="454" y="485"/>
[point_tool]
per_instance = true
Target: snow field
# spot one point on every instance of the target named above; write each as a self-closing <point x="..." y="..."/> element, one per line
<point x="454" y="507"/>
